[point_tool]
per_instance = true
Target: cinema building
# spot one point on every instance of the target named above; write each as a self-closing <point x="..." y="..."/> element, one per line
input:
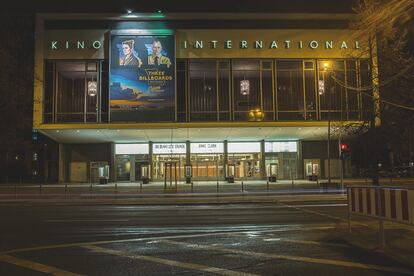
<point x="210" y="96"/>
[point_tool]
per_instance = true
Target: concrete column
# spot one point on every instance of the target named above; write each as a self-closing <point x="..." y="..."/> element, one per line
<point x="150" y="158"/>
<point x="300" y="165"/>
<point x="187" y="153"/>
<point x="62" y="163"/>
<point x="112" y="164"/>
<point x="263" y="160"/>
<point x="225" y="158"/>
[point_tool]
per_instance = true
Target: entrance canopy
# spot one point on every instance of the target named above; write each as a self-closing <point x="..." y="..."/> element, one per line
<point x="194" y="132"/>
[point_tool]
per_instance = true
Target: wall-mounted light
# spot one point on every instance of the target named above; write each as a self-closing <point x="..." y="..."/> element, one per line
<point x="245" y="87"/>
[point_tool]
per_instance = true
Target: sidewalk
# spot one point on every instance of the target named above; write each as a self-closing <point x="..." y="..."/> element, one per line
<point x="399" y="239"/>
<point x="194" y="192"/>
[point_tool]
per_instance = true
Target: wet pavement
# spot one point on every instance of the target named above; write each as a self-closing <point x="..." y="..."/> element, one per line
<point x="293" y="236"/>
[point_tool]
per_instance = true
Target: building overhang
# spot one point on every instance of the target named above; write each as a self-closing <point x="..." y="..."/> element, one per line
<point x="197" y="132"/>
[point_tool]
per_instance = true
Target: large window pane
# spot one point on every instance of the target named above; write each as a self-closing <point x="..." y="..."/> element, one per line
<point x="181" y="90"/>
<point x="332" y="98"/>
<point x="366" y="81"/>
<point x="310" y="91"/>
<point x="352" y="94"/>
<point x="246" y="84"/>
<point x="203" y="90"/>
<point x="267" y="89"/>
<point x="224" y="90"/>
<point x="290" y="89"/>
<point x="77" y="92"/>
<point x="48" y="92"/>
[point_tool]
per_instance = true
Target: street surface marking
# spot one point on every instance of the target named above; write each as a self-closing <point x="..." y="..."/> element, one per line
<point x="193" y="266"/>
<point x="302" y="241"/>
<point x="35" y="266"/>
<point x="308" y="242"/>
<point x="86" y="220"/>
<point x="322" y="214"/>
<point x="292" y="258"/>
<point x="64" y="245"/>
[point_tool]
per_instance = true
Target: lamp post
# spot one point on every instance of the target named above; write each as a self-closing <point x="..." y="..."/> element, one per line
<point x="326" y="66"/>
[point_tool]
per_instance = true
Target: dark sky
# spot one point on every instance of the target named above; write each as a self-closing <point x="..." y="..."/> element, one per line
<point x="116" y="6"/>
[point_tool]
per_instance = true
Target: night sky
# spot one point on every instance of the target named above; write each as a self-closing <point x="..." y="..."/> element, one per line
<point x="297" y="6"/>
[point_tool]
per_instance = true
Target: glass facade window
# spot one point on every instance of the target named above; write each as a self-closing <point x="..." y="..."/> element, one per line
<point x="181" y="90"/>
<point x="286" y="164"/>
<point x="246" y="87"/>
<point x="73" y="92"/>
<point x="223" y="86"/>
<point x="123" y="167"/>
<point x="366" y="99"/>
<point x="203" y="90"/>
<point x="290" y="94"/>
<point x="223" y="90"/>
<point x="207" y="166"/>
<point x="332" y="100"/>
<point x="74" y="102"/>
<point x="168" y="166"/>
<point x="309" y="79"/>
<point x="247" y="165"/>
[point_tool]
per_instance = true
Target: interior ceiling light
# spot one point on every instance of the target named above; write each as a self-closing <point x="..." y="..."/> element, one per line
<point x="92" y="88"/>
<point x="245" y="87"/>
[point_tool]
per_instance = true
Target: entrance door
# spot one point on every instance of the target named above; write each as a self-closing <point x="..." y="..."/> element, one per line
<point x="138" y="175"/>
<point x="159" y="166"/>
<point x="289" y="169"/>
<point x="207" y="168"/>
<point x="171" y="174"/>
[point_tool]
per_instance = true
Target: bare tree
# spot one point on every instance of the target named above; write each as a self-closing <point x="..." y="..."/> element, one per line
<point x="381" y="25"/>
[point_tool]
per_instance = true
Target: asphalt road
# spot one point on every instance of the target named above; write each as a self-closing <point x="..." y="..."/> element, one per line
<point x="289" y="238"/>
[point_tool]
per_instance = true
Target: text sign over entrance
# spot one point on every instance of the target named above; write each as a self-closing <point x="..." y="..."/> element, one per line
<point x="243" y="147"/>
<point x="281" y="147"/>
<point x="207" y="147"/>
<point x="165" y="148"/>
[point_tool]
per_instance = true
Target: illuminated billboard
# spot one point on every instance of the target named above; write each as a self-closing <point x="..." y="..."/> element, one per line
<point x="142" y="80"/>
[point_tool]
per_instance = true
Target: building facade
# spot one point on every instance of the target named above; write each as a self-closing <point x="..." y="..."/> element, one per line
<point x="213" y="96"/>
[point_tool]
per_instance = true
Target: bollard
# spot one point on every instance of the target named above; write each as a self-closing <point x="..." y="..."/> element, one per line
<point x="217" y="187"/>
<point x="116" y="187"/>
<point x="293" y="185"/>
<point x="192" y="186"/>
<point x="242" y="186"/>
<point x="140" y="187"/>
<point x="267" y="185"/>
<point x="90" y="188"/>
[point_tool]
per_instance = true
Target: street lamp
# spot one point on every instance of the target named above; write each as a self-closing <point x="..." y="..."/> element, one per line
<point x="327" y="68"/>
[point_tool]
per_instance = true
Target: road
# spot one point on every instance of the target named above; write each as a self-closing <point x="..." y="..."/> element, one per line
<point x="272" y="238"/>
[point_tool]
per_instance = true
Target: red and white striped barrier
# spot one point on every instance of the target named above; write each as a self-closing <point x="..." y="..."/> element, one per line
<point x="395" y="204"/>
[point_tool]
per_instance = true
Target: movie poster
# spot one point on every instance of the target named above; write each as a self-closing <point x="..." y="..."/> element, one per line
<point x="142" y="80"/>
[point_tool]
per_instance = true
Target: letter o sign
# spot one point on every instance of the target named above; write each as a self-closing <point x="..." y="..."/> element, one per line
<point x="96" y="44"/>
<point x="313" y="44"/>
